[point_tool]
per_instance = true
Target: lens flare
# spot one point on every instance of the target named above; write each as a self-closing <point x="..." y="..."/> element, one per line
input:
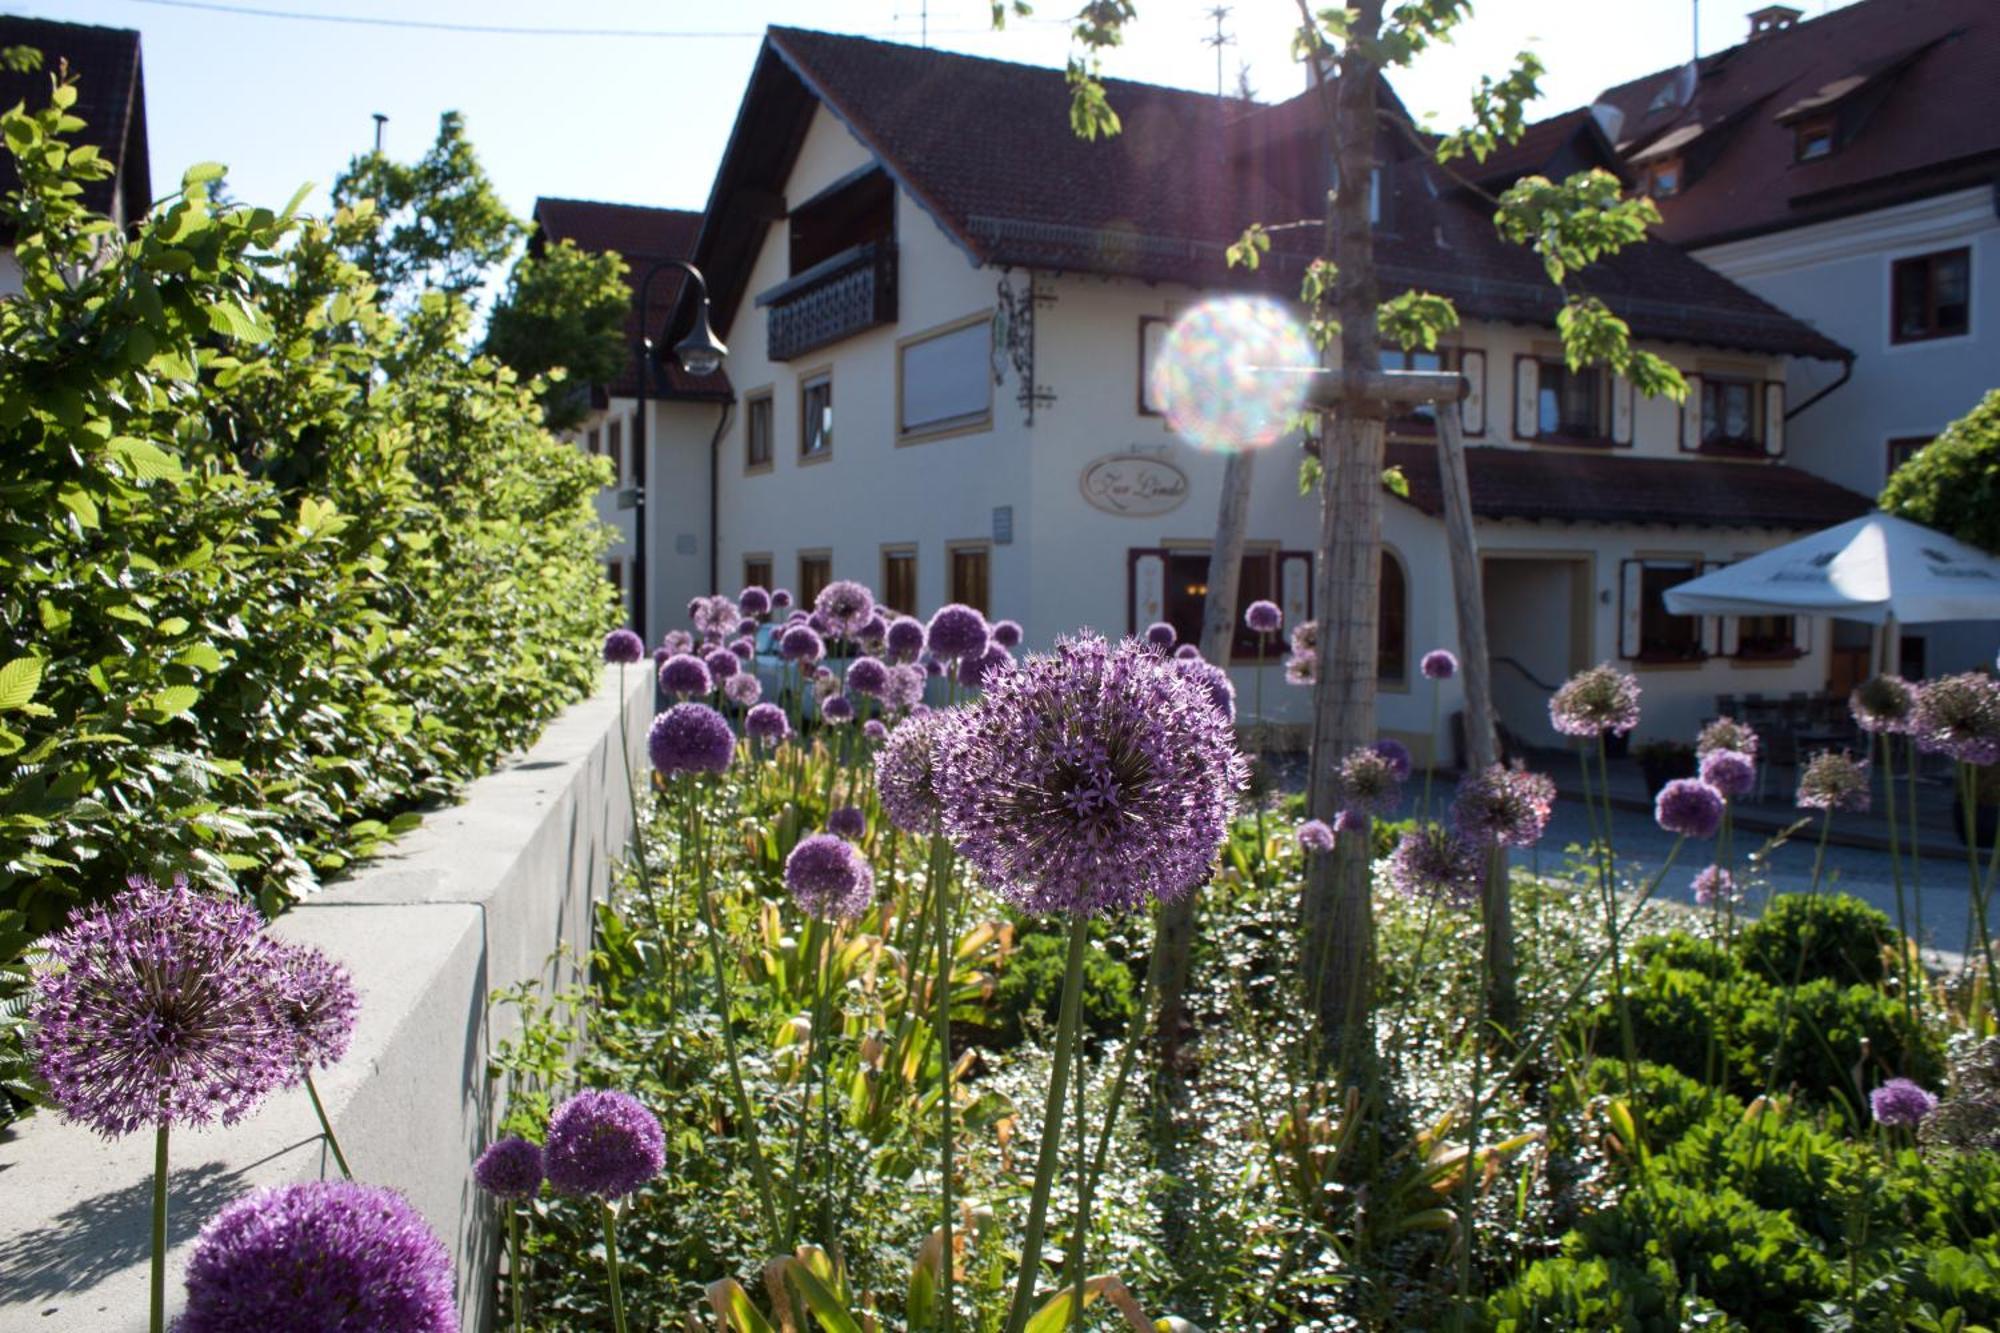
<point x="1232" y="373"/>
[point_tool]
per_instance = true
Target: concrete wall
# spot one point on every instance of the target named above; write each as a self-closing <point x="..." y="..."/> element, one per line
<point x="478" y="898"/>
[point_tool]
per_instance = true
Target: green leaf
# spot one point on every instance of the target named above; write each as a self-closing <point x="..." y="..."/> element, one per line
<point x="176" y="699"/>
<point x="201" y="173"/>
<point x="146" y="460"/>
<point x="201" y="656"/>
<point x="19" y="680"/>
<point x="826" y="1307"/>
<point x="732" y="1306"/>
<point x="235" y="321"/>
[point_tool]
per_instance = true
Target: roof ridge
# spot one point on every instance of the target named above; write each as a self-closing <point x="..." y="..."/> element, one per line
<point x="1818" y="23"/>
<point x="541" y="199"/>
<point x="133" y="33"/>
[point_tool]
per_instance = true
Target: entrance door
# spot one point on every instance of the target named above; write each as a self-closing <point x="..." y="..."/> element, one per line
<point x="1538" y="633"/>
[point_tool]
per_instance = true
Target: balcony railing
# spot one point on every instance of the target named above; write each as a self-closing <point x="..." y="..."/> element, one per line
<point x="836" y="298"/>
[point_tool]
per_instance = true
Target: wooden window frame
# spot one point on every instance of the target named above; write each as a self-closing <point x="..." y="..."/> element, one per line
<point x="1413" y="425"/>
<point x="1806" y="131"/>
<point x="952" y="550"/>
<point x="1639" y="655"/>
<point x="1913" y="443"/>
<point x="750" y="579"/>
<point x="1931" y="259"/>
<point x="768" y="398"/>
<point x="974" y="423"/>
<point x="804" y="594"/>
<point x="891" y="550"/>
<point x="1609" y="385"/>
<point x="809" y="380"/>
<point x="614" y="448"/>
<point x="1244" y="647"/>
<point x="1674" y="167"/>
<point x="1752" y="446"/>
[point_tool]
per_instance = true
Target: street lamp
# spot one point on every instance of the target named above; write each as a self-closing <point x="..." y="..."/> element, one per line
<point x="700" y="353"/>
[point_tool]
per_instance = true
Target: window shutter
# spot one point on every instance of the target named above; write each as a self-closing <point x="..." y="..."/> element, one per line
<point x="1472" y="410"/>
<point x="1149" y="573"/>
<point x="1527" y="397"/>
<point x="1691" y="416"/>
<point x="1621" y="410"/>
<point x="1730" y="629"/>
<point x="1774" y="418"/>
<point x="1631" y="597"/>
<point x="1802" y="634"/>
<point x="1295" y="586"/>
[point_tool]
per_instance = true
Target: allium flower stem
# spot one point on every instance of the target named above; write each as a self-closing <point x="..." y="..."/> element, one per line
<point x="158" y="1306"/>
<point x="1079" y="1244"/>
<point x="1798" y="973"/>
<point x="947" y="940"/>
<point x="514" y="1260"/>
<point x="1608" y="879"/>
<point x="610" y="1215"/>
<point x="1916" y="851"/>
<point x="1981" y="885"/>
<point x="812" y="1066"/>
<point x="1910" y="998"/>
<point x="326" y="1128"/>
<point x="1052" y="1116"/>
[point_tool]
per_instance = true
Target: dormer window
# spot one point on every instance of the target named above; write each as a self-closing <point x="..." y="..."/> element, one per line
<point x="1815" y="139"/>
<point x="1663" y="178"/>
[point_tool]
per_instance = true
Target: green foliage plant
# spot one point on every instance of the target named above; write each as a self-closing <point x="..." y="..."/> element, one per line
<point x="1953" y="483"/>
<point x="561" y="325"/>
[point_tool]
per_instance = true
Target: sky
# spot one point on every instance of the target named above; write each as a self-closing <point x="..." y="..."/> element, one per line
<point x="633" y="117"/>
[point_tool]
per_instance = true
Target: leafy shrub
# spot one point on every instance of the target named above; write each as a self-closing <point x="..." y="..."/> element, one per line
<point x="1782" y="1163"/>
<point x="1673" y="1102"/>
<point x="1031" y="982"/>
<point x="1811" y="937"/>
<point x="1953" y="483"/>
<point x="275" y="566"/>
<point x="1824" y="1030"/>
<point x="1592" y="1294"/>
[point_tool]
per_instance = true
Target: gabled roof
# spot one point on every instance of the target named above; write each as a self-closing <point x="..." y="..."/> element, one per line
<point x="1916" y="84"/>
<point x="984" y="146"/>
<point x="1618" y="488"/>
<point x="110" y="100"/>
<point x="1556" y="147"/>
<point x="643" y="236"/>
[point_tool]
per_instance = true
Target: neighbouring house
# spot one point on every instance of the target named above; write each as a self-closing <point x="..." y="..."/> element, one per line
<point x="660" y="503"/>
<point x="1847" y="169"/>
<point x="942" y="308"/>
<point x="110" y="100"/>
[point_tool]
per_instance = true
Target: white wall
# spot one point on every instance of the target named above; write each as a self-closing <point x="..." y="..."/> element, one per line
<point x="10" y="273"/>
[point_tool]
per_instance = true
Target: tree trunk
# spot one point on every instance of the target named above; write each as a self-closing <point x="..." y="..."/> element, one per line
<point x="1482" y="751"/>
<point x="1218" y="630"/>
<point x="1339" y="922"/>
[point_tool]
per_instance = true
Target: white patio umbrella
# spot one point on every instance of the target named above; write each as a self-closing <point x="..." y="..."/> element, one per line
<point x="1878" y="569"/>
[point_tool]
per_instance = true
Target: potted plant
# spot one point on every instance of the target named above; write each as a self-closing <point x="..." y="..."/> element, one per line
<point x="1662" y="761"/>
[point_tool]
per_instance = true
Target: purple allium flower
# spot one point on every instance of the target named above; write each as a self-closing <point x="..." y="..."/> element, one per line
<point x="1188" y="652"/>
<point x="801" y="643"/>
<point x="1505" y="806"/>
<point x="1730" y="772"/>
<point x="743" y="689"/>
<point x="1959" y="716"/>
<point x="838" y="710"/>
<point x="1689" y="807"/>
<point x="874" y="730"/>
<point x="325" y="1254"/>
<point x="685" y="674"/>
<point x="798" y="617"/>
<point x="1212" y="679"/>
<point x="1162" y="635"/>
<point x="1090" y="779"/>
<point x="847" y="606"/>
<point x="873" y="630"/>
<point x="847" y="822"/>
<point x="905" y="638"/>
<point x="511" y="1168"/>
<point x="767" y="723"/>
<point x="906" y="687"/>
<point x="1714" y="885"/>
<point x="1367" y="782"/>
<point x="1726" y="733"/>
<point x="1007" y="633"/>
<point x="753" y="601"/>
<point x="1305" y="637"/>
<point x="820" y="625"/>
<point x="824" y="680"/>
<point x="956" y="632"/>
<point x="781" y="599"/>
<point x="1302" y="668"/>
<point x="744" y="647"/>
<point x="317" y="1002"/>
<point x="721" y="663"/>
<point x="622" y="647"/>
<point x="932" y="667"/>
<point x="905" y="771"/>
<point x="1883" y="704"/>
<point x="1398" y="755"/>
<point x="676" y="642"/>
<point x="1901" y="1103"/>
<point x="603" y="1143"/>
<point x="1433" y="864"/>
<point x="1438" y="664"/>
<point x="746" y="626"/>
<point x="690" y="738"/>
<point x="1348" y="821"/>
<point x="976" y="673"/>
<point x="1834" y="780"/>
<point x="160" y="1008"/>
<point x="1315" y="836"/>
<point x="867" y="675"/>
<point x="828" y="878"/>
<point x="1264" y="617"/>
<point x="715" y="617"/>
<point x="694" y="606"/>
<point x="1593" y="702"/>
<point x="660" y="656"/>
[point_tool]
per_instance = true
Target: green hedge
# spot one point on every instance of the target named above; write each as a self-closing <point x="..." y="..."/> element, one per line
<point x="276" y="565"/>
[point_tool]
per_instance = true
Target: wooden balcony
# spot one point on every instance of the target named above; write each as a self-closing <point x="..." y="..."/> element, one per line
<point x="836" y="298"/>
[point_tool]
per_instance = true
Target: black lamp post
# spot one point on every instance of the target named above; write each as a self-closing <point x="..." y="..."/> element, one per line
<point x="700" y="353"/>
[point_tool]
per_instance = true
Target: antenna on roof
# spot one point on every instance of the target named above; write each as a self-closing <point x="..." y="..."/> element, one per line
<point x="380" y="121"/>
<point x="1220" y="40"/>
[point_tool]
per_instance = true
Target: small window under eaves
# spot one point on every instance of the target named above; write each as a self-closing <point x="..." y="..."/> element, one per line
<point x="856" y="211"/>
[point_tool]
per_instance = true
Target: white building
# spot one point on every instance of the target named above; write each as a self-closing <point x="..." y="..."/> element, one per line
<point x="940" y="306"/>
<point x="1844" y="167"/>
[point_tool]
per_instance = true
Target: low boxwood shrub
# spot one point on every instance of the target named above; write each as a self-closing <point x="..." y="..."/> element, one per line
<point x="1815" y="937"/>
<point x="1595" y="1293"/>
<point x="1031" y="981"/>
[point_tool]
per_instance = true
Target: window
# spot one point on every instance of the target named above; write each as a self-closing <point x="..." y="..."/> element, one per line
<point x="1765" y="637"/>
<point x="1647" y="632"/>
<point x="1392" y="623"/>
<point x="1904" y="447"/>
<point x="615" y="571"/>
<point x="614" y="449"/>
<point x="899" y="578"/>
<point x="591" y="440"/>
<point x="1730" y="415"/>
<point x="944" y="380"/>
<point x="858" y="210"/>
<point x="1572" y="404"/>
<point x="971" y="576"/>
<point x="1152" y="337"/>
<point x="1663" y="178"/>
<point x="757" y="431"/>
<point x="1813" y="139"/>
<point x="815" y="572"/>
<point x="757" y="572"/>
<point x="816" y="416"/>
<point x="1929" y="294"/>
<point x="1420" y="420"/>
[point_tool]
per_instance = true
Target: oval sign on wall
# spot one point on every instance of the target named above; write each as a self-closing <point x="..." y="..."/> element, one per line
<point x="1134" y="485"/>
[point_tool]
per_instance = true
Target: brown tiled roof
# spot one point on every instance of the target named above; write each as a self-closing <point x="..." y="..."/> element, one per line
<point x="110" y="100"/>
<point x="1918" y="82"/>
<point x="1618" y="488"/>
<point x="643" y="236"/>
<point x="985" y="147"/>
<point x="1554" y="147"/>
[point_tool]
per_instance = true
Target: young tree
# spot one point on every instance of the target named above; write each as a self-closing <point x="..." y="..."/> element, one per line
<point x="439" y="223"/>
<point x="1953" y="483"/>
<point x="564" y="310"/>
